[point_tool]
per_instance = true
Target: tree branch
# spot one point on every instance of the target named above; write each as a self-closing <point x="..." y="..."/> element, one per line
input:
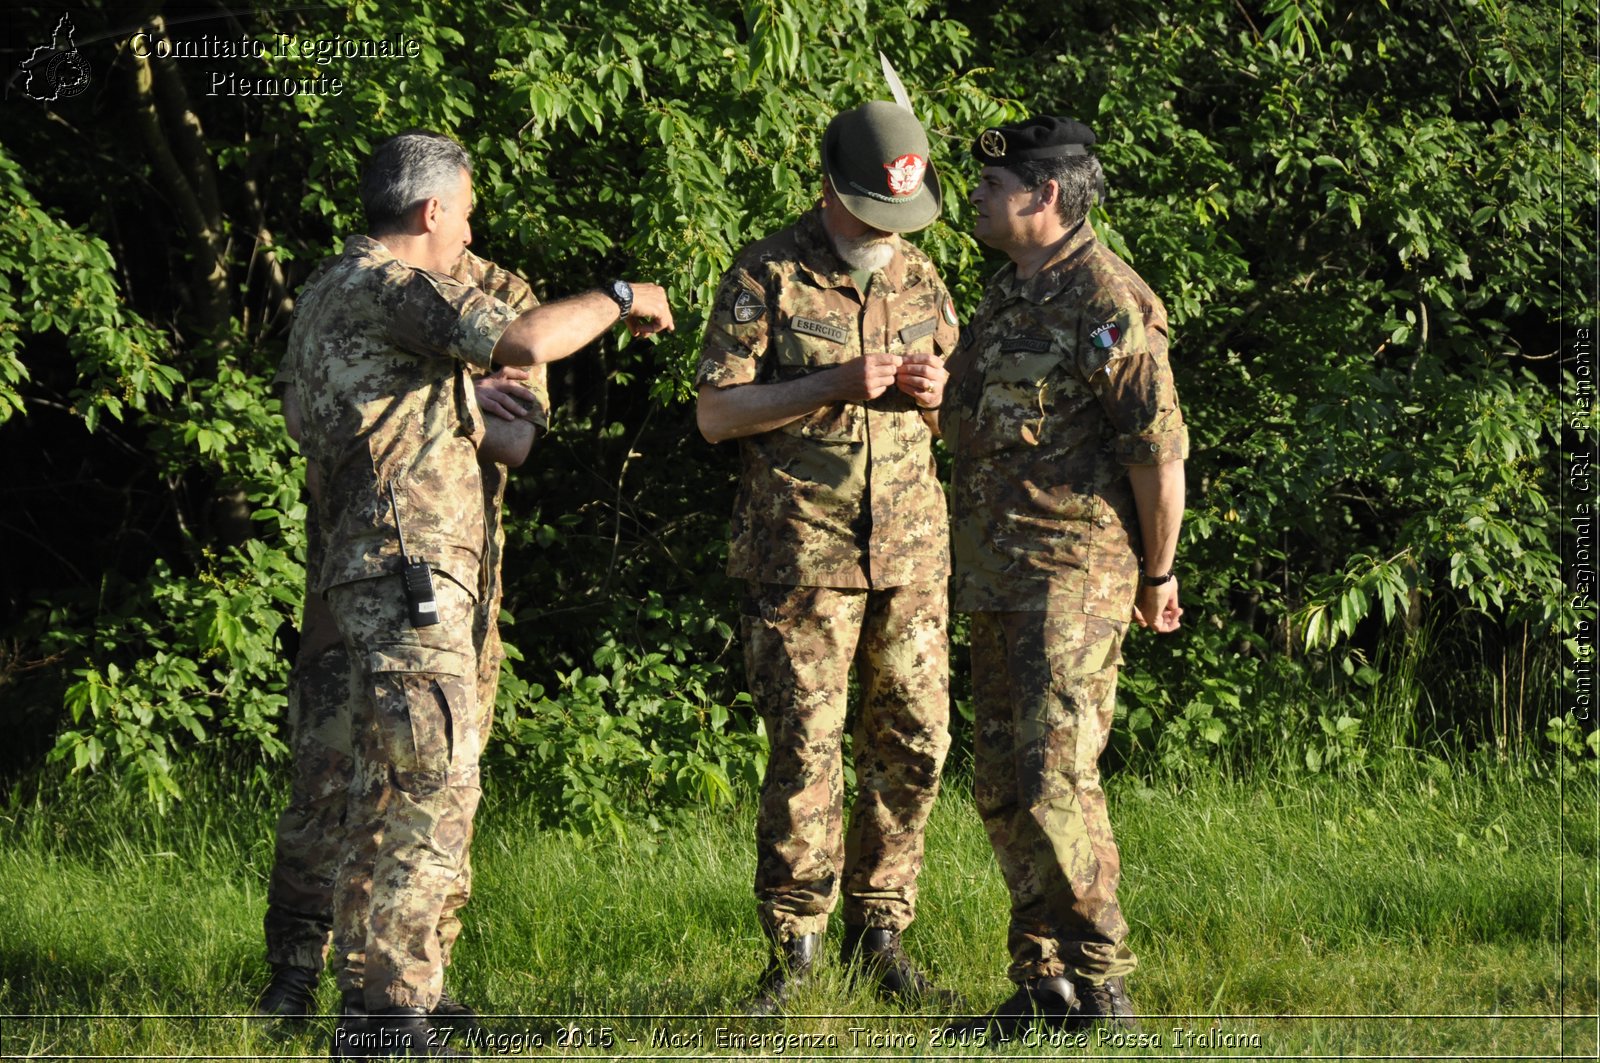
<point x="160" y="101"/>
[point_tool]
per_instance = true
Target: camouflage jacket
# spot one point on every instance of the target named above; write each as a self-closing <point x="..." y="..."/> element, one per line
<point x="845" y="496"/>
<point x="516" y="293"/>
<point x="380" y="353"/>
<point x="1061" y="381"/>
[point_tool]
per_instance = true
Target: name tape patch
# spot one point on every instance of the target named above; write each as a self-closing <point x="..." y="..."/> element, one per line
<point x="1036" y="344"/>
<point x="912" y="333"/>
<point x="812" y="327"/>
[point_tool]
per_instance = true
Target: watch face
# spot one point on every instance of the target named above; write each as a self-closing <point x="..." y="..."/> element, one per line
<point x="622" y="292"/>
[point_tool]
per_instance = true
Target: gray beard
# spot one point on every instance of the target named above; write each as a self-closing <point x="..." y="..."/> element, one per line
<point x="867" y="252"/>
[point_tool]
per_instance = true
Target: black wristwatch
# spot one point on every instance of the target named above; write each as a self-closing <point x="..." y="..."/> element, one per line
<point x="1156" y="581"/>
<point x="622" y="292"/>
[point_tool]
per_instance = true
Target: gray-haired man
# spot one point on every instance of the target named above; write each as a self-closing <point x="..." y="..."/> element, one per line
<point x="381" y="353"/>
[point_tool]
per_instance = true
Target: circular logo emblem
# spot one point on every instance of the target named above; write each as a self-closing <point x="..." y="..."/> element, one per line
<point x="993" y="143"/>
<point x="67" y="74"/>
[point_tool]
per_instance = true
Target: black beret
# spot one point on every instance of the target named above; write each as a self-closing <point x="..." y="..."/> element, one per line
<point x="1042" y="137"/>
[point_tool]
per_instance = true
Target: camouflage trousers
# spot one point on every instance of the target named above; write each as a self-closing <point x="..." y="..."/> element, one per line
<point x="799" y="645"/>
<point x="414" y="787"/>
<point x="1044" y="688"/>
<point x="308" y="845"/>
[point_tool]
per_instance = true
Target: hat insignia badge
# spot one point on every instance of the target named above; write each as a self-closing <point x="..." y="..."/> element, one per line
<point x="905" y="174"/>
<point x="993" y="143"/>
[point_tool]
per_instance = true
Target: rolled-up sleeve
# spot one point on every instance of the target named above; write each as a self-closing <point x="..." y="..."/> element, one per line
<point x="737" y="334"/>
<point x="436" y="314"/>
<point x="1123" y="355"/>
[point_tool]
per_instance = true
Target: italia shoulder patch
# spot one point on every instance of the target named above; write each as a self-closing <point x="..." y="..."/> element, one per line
<point x="747" y="306"/>
<point x="1106" y="335"/>
<point x="949" y="310"/>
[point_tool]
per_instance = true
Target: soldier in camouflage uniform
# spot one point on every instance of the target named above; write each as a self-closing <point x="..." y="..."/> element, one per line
<point x="307" y="853"/>
<point x="824" y="357"/>
<point x="381" y="350"/>
<point x="1068" y="452"/>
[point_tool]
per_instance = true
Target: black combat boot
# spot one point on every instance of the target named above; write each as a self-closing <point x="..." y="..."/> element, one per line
<point x="1106" y="1003"/>
<point x="788" y="969"/>
<point x="1045" y="1001"/>
<point x="875" y="954"/>
<point x="451" y="1013"/>
<point x="352" y="1004"/>
<point x="291" y="994"/>
<point x="351" y="1029"/>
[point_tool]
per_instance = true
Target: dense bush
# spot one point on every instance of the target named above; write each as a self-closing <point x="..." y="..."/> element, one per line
<point x="1350" y="210"/>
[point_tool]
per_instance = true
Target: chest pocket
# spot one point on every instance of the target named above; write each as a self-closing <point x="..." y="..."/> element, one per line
<point x="1014" y="406"/>
<point x="805" y="346"/>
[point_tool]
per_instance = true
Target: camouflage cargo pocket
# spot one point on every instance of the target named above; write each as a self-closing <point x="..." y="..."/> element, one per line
<point x="423" y="703"/>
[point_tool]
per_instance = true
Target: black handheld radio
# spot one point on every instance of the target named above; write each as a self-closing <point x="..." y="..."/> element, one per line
<point x="416" y="576"/>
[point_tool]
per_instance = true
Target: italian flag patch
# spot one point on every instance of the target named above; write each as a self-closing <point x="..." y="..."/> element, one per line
<point x="1106" y="335"/>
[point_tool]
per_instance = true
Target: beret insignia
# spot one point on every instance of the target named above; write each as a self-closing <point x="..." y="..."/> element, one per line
<point x="1041" y="137"/>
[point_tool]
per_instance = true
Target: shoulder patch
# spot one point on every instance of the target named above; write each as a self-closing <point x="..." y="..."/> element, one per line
<point x="812" y="327"/>
<point x="1036" y="344"/>
<point x="747" y="306"/>
<point x="1106" y="335"/>
<point x="949" y="310"/>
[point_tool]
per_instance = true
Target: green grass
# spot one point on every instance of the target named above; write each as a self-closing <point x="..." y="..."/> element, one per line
<point x="1314" y="917"/>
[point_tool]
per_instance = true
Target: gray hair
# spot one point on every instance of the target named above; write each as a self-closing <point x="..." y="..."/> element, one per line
<point x="1080" y="178"/>
<point x="405" y="170"/>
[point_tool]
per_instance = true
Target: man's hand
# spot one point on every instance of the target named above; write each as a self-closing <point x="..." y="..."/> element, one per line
<point x="923" y="377"/>
<point x="1156" y="608"/>
<point x="498" y="393"/>
<point x="864" y="379"/>
<point x="650" y="313"/>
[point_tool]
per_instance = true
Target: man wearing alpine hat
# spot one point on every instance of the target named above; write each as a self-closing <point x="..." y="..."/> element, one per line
<point x="1067" y="494"/>
<point x="824" y="359"/>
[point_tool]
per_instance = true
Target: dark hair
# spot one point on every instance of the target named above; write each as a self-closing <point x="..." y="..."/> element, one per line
<point x="1080" y="178"/>
<point x="405" y="170"/>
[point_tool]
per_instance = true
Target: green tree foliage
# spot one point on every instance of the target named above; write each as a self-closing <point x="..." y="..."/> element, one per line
<point x="1350" y="210"/>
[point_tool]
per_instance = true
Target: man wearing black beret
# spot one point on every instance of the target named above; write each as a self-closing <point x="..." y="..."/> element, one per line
<point x="1067" y="496"/>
